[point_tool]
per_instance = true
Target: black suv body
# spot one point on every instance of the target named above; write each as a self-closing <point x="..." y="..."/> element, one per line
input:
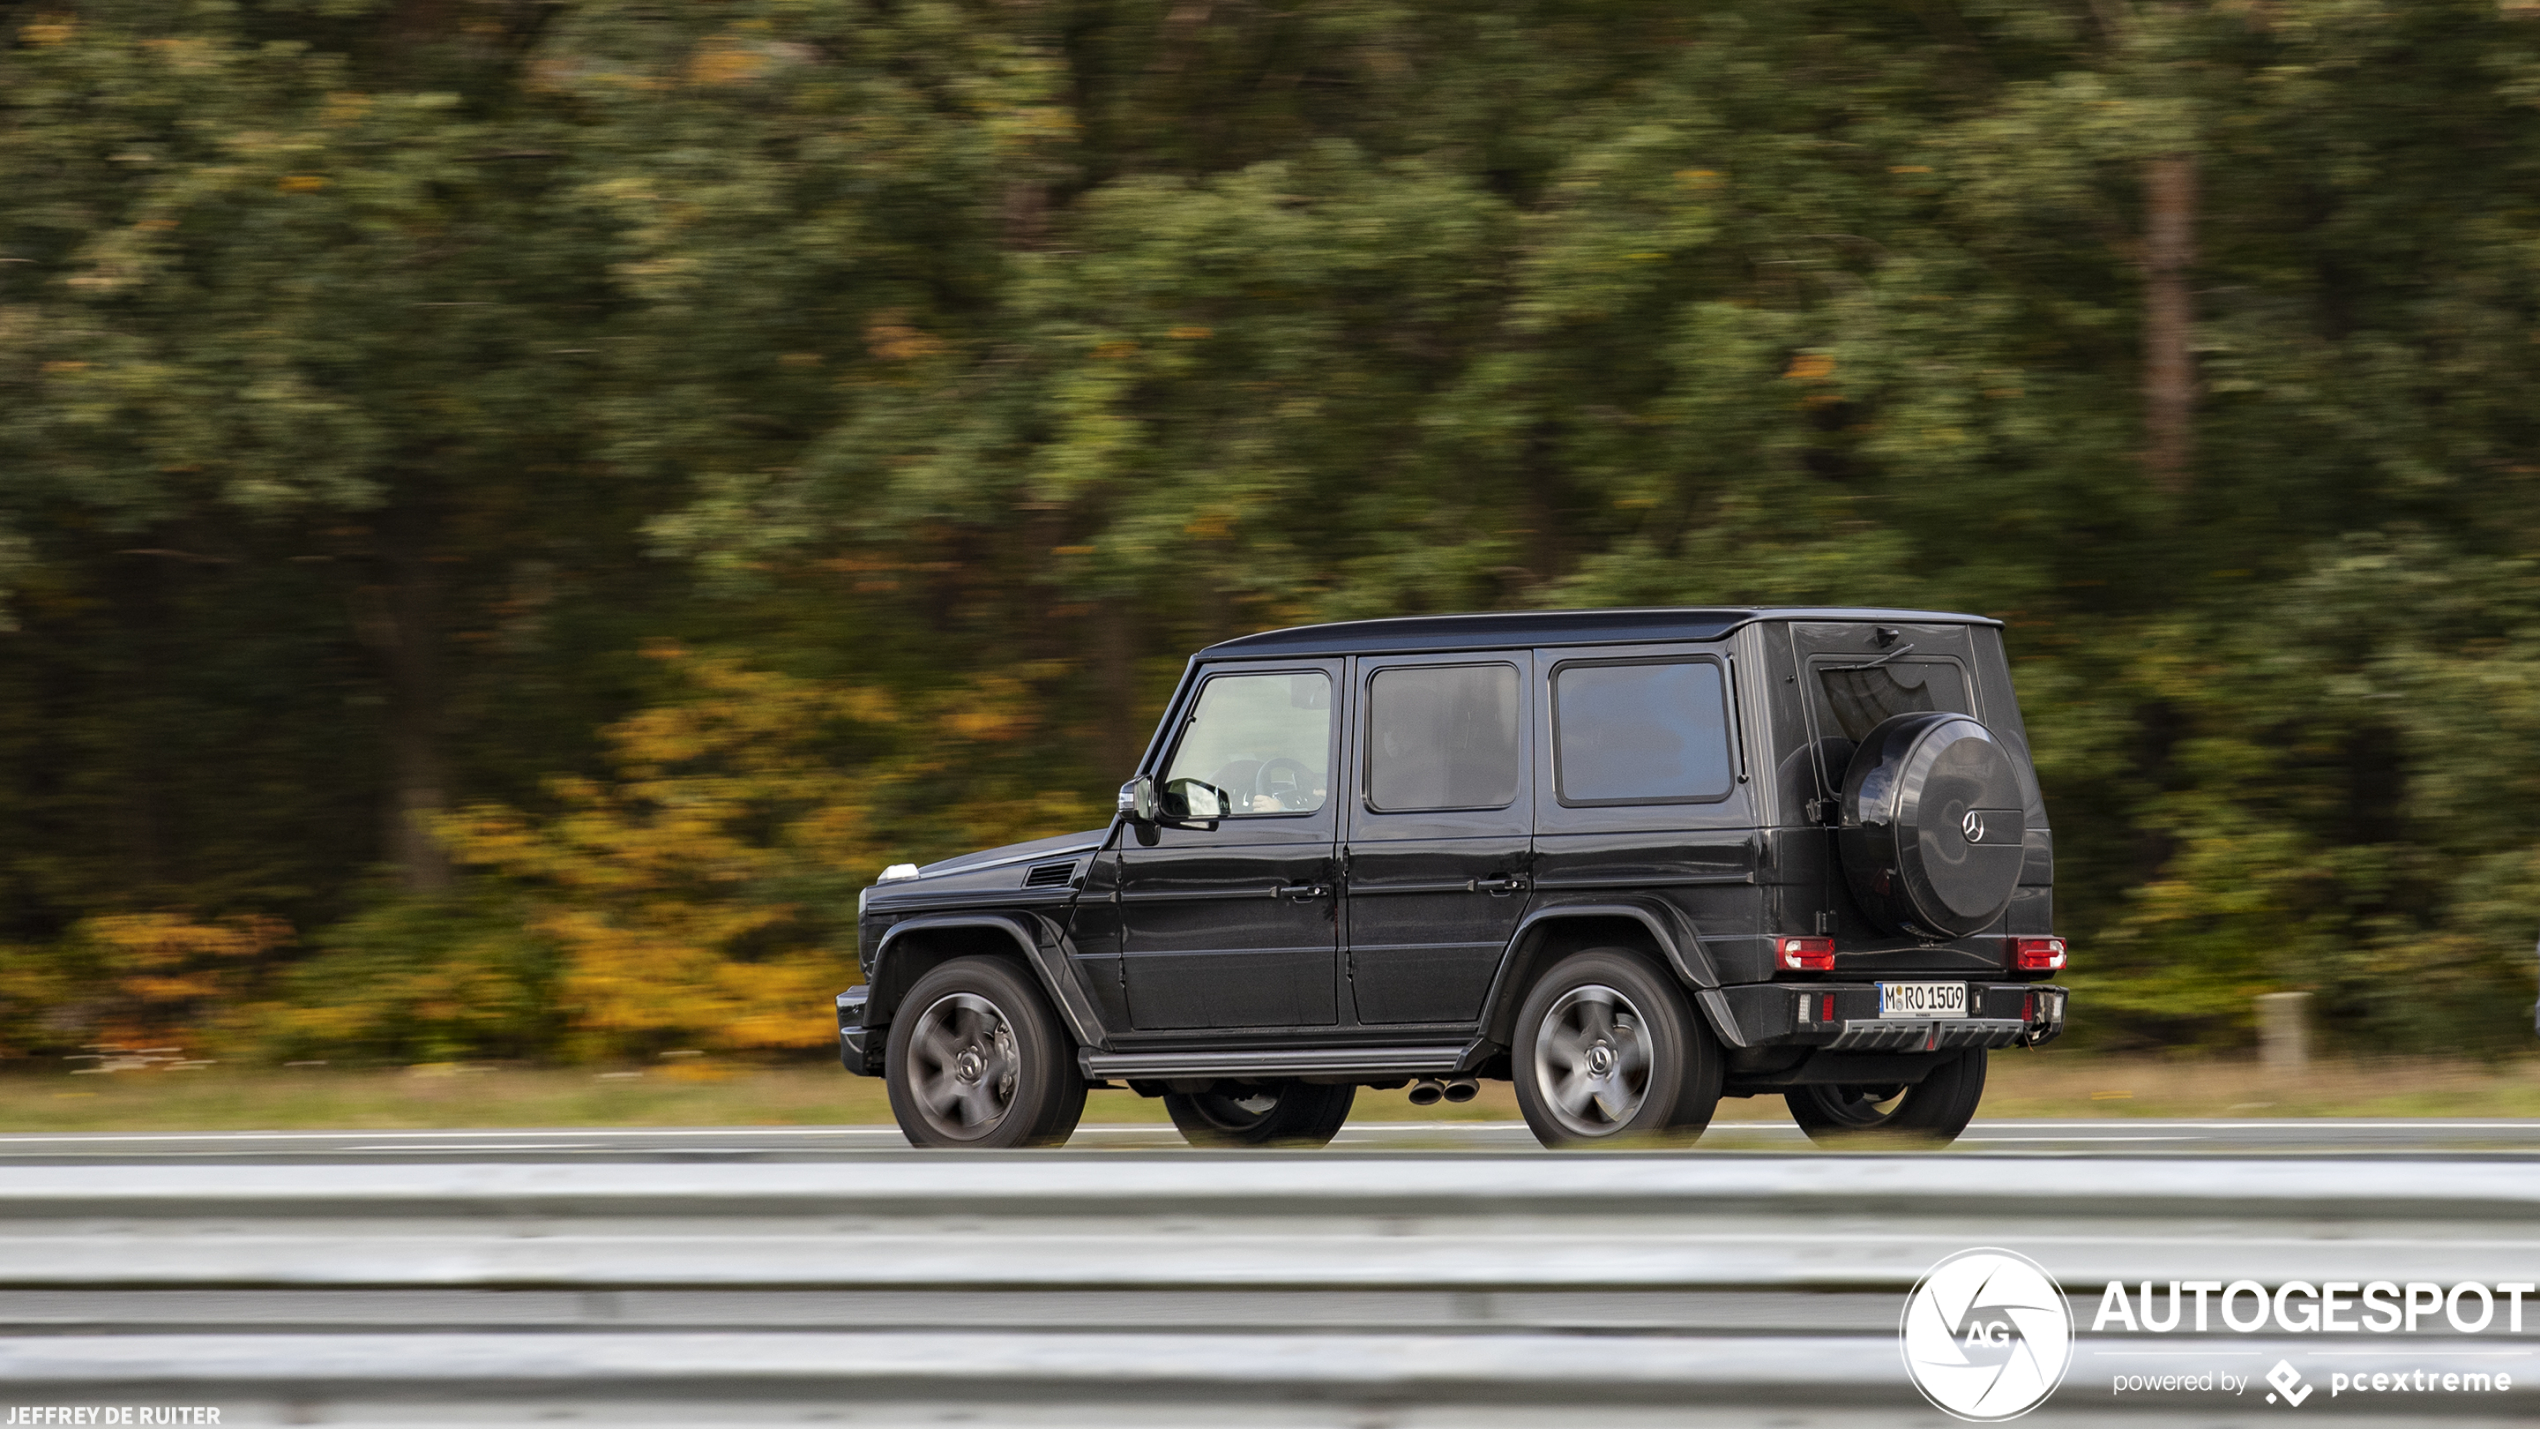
<point x="1634" y="860"/>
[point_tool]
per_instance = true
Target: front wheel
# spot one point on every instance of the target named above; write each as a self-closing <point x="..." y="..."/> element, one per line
<point x="1276" y="1114"/>
<point x="976" y="1058"/>
<point x="1930" y="1112"/>
<point x="1609" y="1050"/>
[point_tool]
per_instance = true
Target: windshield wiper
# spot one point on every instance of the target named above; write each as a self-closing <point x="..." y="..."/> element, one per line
<point x="1897" y="653"/>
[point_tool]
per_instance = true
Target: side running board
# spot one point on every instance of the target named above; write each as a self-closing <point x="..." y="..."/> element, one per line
<point x="1325" y="1061"/>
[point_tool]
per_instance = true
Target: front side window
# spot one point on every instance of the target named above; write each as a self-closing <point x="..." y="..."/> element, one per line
<point x="1256" y="744"/>
<point x="1862" y="695"/>
<point x="1442" y="737"/>
<point x="1652" y="733"/>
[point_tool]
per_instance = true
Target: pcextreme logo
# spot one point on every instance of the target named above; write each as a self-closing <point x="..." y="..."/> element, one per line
<point x="1987" y="1335"/>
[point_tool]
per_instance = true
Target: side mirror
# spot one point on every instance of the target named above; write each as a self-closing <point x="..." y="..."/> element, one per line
<point x="1137" y="799"/>
<point x="1196" y="800"/>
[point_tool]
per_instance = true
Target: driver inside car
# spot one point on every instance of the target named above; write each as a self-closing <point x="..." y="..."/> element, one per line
<point x="1277" y="785"/>
<point x="1265" y="741"/>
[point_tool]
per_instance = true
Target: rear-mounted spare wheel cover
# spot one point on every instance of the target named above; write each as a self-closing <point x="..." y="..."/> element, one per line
<point x="1932" y="825"/>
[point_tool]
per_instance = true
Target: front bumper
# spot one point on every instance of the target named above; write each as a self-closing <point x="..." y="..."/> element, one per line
<point x="1844" y="1017"/>
<point x="854" y="1051"/>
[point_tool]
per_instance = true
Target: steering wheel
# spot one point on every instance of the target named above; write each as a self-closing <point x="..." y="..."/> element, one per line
<point x="1291" y="792"/>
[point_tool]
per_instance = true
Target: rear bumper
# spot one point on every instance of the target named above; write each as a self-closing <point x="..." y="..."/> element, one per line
<point x="1924" y="1035"/>
<point x="1844" y="1017"/>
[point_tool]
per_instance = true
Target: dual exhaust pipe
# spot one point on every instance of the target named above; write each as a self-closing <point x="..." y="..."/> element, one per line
<point x="1429" y="1091"/>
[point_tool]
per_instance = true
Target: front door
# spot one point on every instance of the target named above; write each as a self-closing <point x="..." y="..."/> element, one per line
<point x="1440" y="837"/>
<point x="1231" y="921"/>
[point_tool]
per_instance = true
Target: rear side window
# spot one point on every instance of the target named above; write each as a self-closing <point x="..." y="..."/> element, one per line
<point x="1442" y="737"/>
<point x="1647" y="733"/>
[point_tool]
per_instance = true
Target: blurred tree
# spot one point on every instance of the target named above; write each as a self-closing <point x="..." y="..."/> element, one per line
<point x="294" y="340"/>
<point x="379" y="378"/>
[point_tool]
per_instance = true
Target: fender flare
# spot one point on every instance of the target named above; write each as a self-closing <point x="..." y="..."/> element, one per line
<point x="1679" y="944"/>
<point x="1044" y="949"/>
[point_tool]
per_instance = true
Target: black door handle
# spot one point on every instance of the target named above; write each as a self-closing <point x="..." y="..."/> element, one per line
<point x="1497" y="887"/>
<point x="1300" y="891"/>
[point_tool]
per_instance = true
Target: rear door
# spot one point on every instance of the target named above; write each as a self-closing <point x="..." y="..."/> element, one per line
<point x="1855" y="674"/>
<point x="1438" y="843"/>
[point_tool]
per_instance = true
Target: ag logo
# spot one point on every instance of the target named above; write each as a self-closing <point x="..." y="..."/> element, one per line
<point x="1987" y="1335"/>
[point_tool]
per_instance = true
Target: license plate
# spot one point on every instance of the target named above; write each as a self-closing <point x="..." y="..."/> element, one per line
<point x="1922" y="999"/>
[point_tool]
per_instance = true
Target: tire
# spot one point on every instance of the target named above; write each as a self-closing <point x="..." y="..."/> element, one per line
<point x="977" y="1059"/>
<point x="1929" y="1113"/>
<point x="1278" y="1114"/>
<point x="1609" y="1050"/>
<point x="1932" y="836"/>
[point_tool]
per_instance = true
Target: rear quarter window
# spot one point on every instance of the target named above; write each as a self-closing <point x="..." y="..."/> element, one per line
<point x="1641" y="732"/>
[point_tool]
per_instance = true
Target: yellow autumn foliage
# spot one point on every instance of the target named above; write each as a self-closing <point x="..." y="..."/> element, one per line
<point x="705" y="894"/>
<point x="682" y="893"/>
<point x="167" y="977"/>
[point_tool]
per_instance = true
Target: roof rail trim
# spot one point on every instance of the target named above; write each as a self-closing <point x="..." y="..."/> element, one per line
<point x="1500" y="629"/>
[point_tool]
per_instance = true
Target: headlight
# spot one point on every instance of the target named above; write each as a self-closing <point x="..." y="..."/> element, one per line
<point x="896" y="873"/>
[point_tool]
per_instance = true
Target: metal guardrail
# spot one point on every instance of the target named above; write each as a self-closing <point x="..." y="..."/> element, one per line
<point x="1292" y="1183"/>
<point x="1057" y="1280"/>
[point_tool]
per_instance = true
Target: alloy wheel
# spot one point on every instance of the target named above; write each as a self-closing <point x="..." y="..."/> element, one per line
<point x="962" y="1066"/>
<point x="1592" y="1060"/>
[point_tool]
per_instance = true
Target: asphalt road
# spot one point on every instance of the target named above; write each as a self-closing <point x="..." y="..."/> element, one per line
<point x="2448" y="1138"/>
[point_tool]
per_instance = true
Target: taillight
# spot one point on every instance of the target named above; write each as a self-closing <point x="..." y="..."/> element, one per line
<point x="2037" y="955"/>
<point x="1814" y="955"/>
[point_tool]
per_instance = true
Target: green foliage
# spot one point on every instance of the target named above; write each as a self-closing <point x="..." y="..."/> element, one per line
<point x="418" y="981"/>
<point x="374" y="383"/>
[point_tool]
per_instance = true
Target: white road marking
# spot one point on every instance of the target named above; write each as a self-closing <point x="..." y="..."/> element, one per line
<point x="490" y="1146"/>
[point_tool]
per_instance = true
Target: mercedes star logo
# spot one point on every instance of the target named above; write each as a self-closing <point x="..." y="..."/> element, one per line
<point x="1973" y="826"/>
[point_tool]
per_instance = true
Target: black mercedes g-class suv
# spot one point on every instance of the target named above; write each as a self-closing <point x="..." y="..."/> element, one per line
<point x="1634" y="860"/>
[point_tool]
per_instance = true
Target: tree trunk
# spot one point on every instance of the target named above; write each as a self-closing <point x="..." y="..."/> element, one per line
<point x="2169" y="373"/>
<point x="1546" y="553"/>
<point x="149" y="613"/>
<point x="1115" y="665"/>
<point x="417" y="787"/>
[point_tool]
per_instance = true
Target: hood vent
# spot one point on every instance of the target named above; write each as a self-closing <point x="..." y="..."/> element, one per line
<point x="1050" y="875"/>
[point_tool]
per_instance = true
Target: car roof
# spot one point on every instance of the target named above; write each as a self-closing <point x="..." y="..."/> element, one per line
<point x="1412" y="634"/>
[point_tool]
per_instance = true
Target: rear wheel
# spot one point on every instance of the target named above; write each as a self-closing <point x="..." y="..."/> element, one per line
<point x="1274" y="1114"/>
<point x="1609" y="1050"/>
<point x="976" y="1058"/>
<point x="1931" y="1112"/>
